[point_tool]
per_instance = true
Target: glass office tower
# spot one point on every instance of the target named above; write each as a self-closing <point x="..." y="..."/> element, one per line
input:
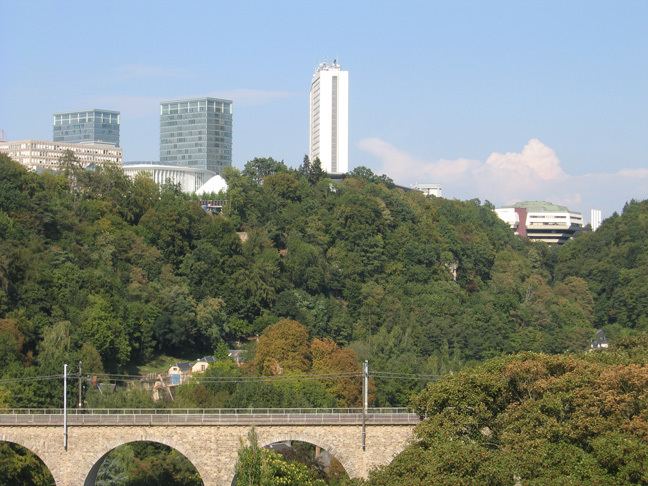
<point x="90" y="126"/>
<point x="196" y="133"/>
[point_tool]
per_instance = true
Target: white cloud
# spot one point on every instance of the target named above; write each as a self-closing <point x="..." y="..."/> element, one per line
<point x="401" y="166"/>
<point x="503" y="178"/>
<point x="536" y="160"/>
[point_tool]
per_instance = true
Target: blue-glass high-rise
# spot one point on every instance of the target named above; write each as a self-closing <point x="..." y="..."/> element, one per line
<point x="196" y="133"/>
<point x="87" y="126"/>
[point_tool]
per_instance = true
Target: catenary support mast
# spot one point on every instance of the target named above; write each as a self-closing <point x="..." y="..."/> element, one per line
<point x="365" y="400"/>
<point x="65" y="426"/>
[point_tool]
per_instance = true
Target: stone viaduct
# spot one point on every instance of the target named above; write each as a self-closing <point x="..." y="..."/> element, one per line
<point x="209" y="441"/>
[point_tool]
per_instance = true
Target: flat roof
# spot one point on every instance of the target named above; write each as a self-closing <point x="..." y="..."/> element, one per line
<point x="87" y="111"/>
<point x="202" y="98"/>
<point x="72" y="144"/>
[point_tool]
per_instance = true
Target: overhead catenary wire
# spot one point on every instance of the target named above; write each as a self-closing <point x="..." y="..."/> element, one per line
<point x="237" y="379"/>
<point x="244" y="377"/>
<point x="125" y="378"/>
<point x="31" y="378"/>
<point x="413" y="376"/>
<point x="314" y="375"/>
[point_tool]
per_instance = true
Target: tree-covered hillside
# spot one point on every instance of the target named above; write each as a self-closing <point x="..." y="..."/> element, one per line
<point x="533" y="419"/>
<point x="97" y="267"/>
<point x="614" y="261"/>
<point x="114" y="272"/>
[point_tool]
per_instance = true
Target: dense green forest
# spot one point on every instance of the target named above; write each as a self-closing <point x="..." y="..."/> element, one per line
<point x="97" y="267"/>
<point x="113" y="272"/>
<point x="614" y="262"/>
<point x="533" y="419"/>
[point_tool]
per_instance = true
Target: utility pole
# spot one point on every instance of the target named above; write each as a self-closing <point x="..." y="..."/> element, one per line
<point x="365" y="400"/>
<point x="65" y="431"/>
<point x="80" y="405"/>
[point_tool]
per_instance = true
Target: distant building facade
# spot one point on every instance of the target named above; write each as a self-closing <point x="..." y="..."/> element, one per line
<point x="201" y="364"/>
<point x="89" y="126"/>
<point x="329" y="118"/>
<point x="596" y="218"/>
<point x="515" y="218"/>
<point x="542" y="221"/>
<point x="197" y="134"/>
<point x="189" y="178"/>
<point x="599" y="341"/>
<point x="179" y="373"/>
<point x="429" y="189"/>
<point x="46" y="155"/>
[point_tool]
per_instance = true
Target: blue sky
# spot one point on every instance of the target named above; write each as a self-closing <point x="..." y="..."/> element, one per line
<point x="502" y="100"/>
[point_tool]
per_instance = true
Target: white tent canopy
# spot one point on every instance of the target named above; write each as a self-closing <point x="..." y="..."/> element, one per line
<point x="214" y="185"/>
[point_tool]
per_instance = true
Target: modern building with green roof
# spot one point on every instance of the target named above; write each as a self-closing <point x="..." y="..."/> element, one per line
<point x="541" y="206"/>
<point x="542" y="221"/>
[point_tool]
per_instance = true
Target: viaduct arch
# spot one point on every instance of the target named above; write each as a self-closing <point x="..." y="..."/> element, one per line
<point x="37" y="456"/>
<point x="91" y="477"/>
<point x="211" y="448"/>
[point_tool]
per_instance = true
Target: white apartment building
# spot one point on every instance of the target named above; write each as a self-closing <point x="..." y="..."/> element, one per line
<point x="45" y="154"/>
<point x="329" y="118"/>
<point x="596" y="218"/>
<point x="542" y="221"/>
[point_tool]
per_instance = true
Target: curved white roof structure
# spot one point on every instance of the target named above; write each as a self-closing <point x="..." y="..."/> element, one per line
<point x="214" y="185"/>
<point x="189" y="178"/>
